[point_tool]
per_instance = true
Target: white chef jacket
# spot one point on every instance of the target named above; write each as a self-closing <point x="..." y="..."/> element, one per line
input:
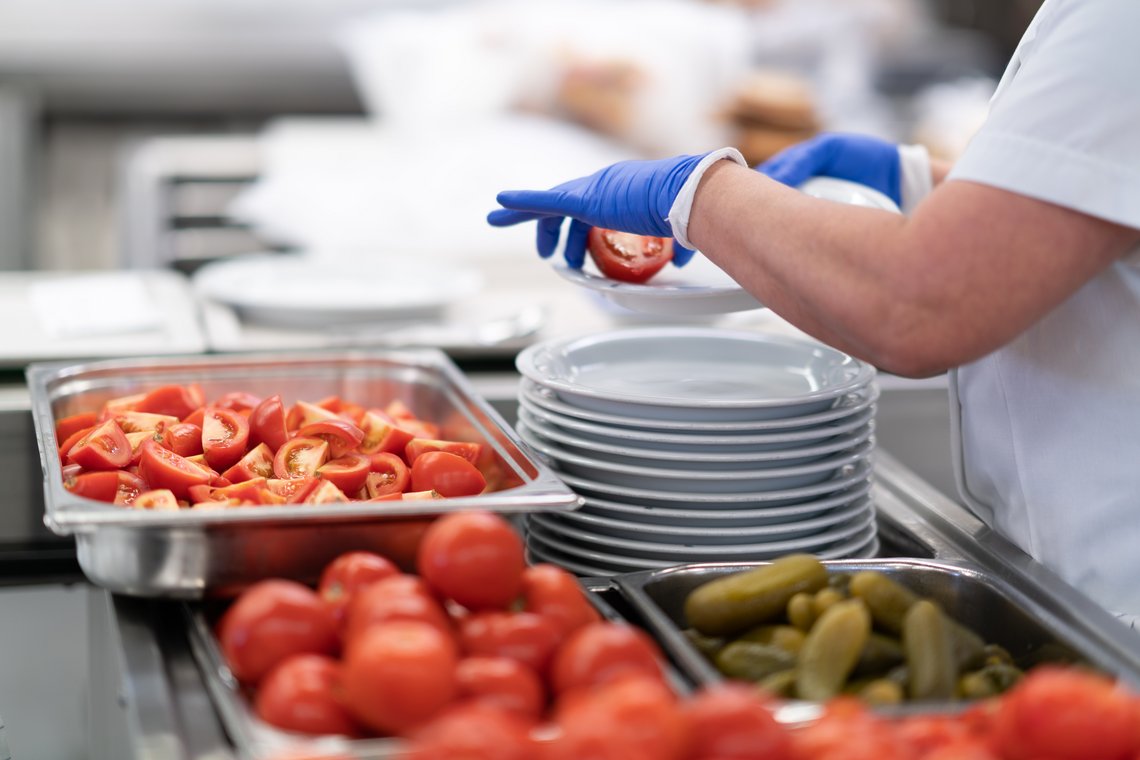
<point x="1050" y="423"/>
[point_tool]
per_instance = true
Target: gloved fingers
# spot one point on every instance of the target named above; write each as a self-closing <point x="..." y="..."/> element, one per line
<point x="575" y="253"/>
<point x="544" y="202"/>
<point x="794" y="169"/>
<point x="506" y="217"/>
<point x="546" y="237"/>
<point x="681" y="254"/>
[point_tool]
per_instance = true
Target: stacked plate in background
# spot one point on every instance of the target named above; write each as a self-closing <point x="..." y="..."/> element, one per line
<point x="693" y="444"/>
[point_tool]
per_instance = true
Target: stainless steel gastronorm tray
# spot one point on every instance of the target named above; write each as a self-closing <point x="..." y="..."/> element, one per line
<point x="186" y="553"/>
<point x="256" y="740"/>
<point x="983" y="602"/>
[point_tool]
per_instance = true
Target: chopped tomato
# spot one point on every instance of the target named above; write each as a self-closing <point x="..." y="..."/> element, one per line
<point x="293" y="490"/>
<point x="466" y="449"/>
<point x="300" y="457"/>
<point x="146" y="422"/>
<point x="257" y="463"/>
<point x="267" y="423"/>
<point x="119" y="487"/>
<point x="303" y="413"/>
<point x="184" y="439"/>
<point x="449" y="474"/>
<point x="159" y="499"/>
<point x="136" y="442"/>
<point x="248" y="492"/>
<point x="381" y="434"/>
<point x="196" y="417"/>
<point x="326" y="492"/>
<point x="347" y="472"/>
<point x="628" y="257"/>
<point x="175" y="400"/>
<point x="121" y="404"/>
<point x="162" y="468"/>
<point x="66" y="445"/>
<point x="225" y="435"/>
<point x="65" y="427"/>
<point x="341" y="435"/>
<point x="389" y="475"/>
<point x="104" y="447"/>
<point x="238" y="401"/>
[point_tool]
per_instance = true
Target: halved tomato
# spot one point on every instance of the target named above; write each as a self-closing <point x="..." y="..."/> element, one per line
<point x="389" y="475"/>
<point x="300" y="457"/>
<point x="628" y="257"/>
<point x="466" y="449"/>
<point x="341" y="435"/>
<point x="347" y="472"/>
<point x="103" y="448"/>
<point x="225" y="434"/>
<point x="257" y="463"/>
<point x="267" y="423"/>
<point x="162" y="468"/>
<point x="176" y="400"/>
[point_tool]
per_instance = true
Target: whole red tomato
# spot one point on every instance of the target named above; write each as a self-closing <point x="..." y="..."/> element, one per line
<point x="349" y="573"/>
<point x="503" y="683"/>
<point x="270" y="621"/>
<point x="523" y="636"/>
<point x="601" y="652"/>
<point x="474" y="558"/>
<point x="399" y="597"/>
<point x="629" y="719"/>
<point x="399" y="675"/>
<point x="473" y="731"/>
<point x="628" y="257"/>
<point x="550" y="591"/>
<point x="732" y="722"/>
<point x="447" y="474"/>
<point x="300" y="695"/>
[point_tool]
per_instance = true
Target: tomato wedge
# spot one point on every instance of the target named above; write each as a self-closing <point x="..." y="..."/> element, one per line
<point x="143" y="422"/>
<point x="159" y="498"/>
<point x="175" y="400"/>
<point x="225" y="434"/>
<point x="238" y="401"/>
<point x="103" y="448"/>
<point x="119" y="487"/>
<point x="347" y="472"/>
<point x="267" y="423"/>
<point x="300" y="457"/>
<point x="162" y="468"/>
<point x="293" y="490"/>
<point x="184" y="439"/>
<point x="303" y="413"/>
<point x="381" y="433"/>
<point x="326" y="492"/>
<point x="466" y="449"/>
<point x="389" y="475"/>
<point x="67" y="426"/>
<point x="341" y="435"/>
<point x="628" y="257"/>
<point x="257" y="463"/>
<point x="447" y="473"/>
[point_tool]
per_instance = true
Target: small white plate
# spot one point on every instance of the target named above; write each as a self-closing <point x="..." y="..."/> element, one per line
<point x="295" y="290"/>
<point x="851" y="475"/>
<point x="623" y="452"/>
<point x="694" y="442"/>
<point x="843" y="408"/>
<point x="694" y="373"/>
<point x="845" y="191"/>
<point x="699" y="288"/>
<point x="691" y="479"/>
<point x="702" y="517"/>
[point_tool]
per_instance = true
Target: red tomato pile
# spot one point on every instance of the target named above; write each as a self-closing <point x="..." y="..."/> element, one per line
<point x="169" y="449"/>
<point x="482" y="658"/>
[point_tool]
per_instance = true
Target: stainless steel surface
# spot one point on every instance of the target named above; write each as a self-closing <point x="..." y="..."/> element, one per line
<point x="19" y="115"/>
<point x="182" y="553"/>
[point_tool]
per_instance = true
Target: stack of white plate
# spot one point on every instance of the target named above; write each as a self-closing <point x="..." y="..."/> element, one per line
<point x="693" y="444"/>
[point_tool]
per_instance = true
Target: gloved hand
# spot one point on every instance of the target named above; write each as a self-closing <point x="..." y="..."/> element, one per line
<point x="858" y="158"/>
<point x="630" y="196"/>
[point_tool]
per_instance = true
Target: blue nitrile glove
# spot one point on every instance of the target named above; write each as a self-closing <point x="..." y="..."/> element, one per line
<point x="858" y="158"/>
<point x="630" y="196"/>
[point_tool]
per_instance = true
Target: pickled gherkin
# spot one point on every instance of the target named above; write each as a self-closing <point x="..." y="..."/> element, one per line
<point x="801" y="610"/>
<point x="928" y="644"/>
<point x="745" y="600"/>
<point x="887" y="601"/>
<point x="753" y="661"/>
<point x="786" y="637"/>
<point x="880" y="654"/>
<point x="831" y="650"/>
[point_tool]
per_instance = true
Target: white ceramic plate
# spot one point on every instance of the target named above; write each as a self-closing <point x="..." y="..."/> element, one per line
<point x="624" y="452"/>
<point x="848" y="476"/>
<point x="696" y="289"/>
<point x="840" y="411"/>
<point x="293" y="290"/>
<point x="694" y="373"/>
<point x="845" y="191"/>
<point x="692" y="480"/>
<point x="690" y="534"/>
<point x="542" y="538"/>
<point x="536" y="552"/>
<point x="694" y="442"/>
<point x="707" y="517"/>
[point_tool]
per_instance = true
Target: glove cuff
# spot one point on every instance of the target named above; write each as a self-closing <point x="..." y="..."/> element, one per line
<point x="683" y="203"/>
<point x="915" y="180"/>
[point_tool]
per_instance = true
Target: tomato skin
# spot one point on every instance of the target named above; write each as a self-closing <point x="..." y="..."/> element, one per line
<point x="550" y="591"/>
<point x="304" y="413"/>
<point x="270" y="621"/>
<point x="400" y="597"/>
<point x="474" y="558"/>
<point x="184" y="439"/>
<point x="118" y="486"/>
<point x="602" y="652"/>
<point x="299" y="694"/>
<point x="66" y="426"/>
<point x="159" y="498"/>
<point x="628" y="257"/>
<point x="162" y="468"/>
<point x="69" y="442"/>
<point x="225" y="436"/>
<point x="267" y="423"/>
<point x="342" y="435"/>
<point x="466" y="449"/>
<point x="238" y="401"/>
<point x="382" y="434"/>
<point x="346" y="575"/>
<point x="103" y="448"/>
<point x="347" y="472"/>
<point x="530" y="639"/>
<point x="502" y="682"/>
<point x="388" y="475"/>
<point x="447" y="473"/>
<point x="731" y="722"/>
<point x="399" y="675"/>
<point x="473" y="731"/>
<point x="1065" y="714"/>
<point x="300" y="458"/>
<point x="293" y="490"/>
<point x="257" y="463"/>
<point x="175" y="400"/>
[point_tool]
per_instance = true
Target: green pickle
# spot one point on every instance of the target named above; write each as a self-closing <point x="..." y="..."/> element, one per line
<point x="825" y="598"/>
<point x="880" y="654"/>
<point x="786" y="637"/>
<point x="878" y="691"/>
<point x="752" y="661"/>
<point x="745" y="600"/>
<point x="781" y="684"/>
<point x="832" y="648"/>
<point x="706" y="645"/>
<point x="887" y="601"/>
<point x="927" y="641"/>
<point x="801" y="611"/>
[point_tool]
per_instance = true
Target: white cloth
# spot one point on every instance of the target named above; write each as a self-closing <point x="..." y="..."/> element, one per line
<point x="683" y="204"/>
<point x="1050" y="423"/>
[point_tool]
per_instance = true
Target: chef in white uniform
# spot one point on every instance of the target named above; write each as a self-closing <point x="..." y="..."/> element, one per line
<point x="1017" y="269"/>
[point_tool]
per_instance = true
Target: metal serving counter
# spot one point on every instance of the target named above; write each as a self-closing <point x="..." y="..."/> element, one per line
<point x="149" y="699"/>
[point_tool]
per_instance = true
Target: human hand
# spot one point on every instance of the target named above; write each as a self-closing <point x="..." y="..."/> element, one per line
<point x="630" y="196"/>
<point x="858" y="158"/>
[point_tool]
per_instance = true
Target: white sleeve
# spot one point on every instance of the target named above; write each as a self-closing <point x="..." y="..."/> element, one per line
<point x="683" y="203"/>
<point x="1066" y="129"/>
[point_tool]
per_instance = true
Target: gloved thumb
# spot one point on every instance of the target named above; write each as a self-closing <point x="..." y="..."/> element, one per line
<point x="681" y="254"/>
